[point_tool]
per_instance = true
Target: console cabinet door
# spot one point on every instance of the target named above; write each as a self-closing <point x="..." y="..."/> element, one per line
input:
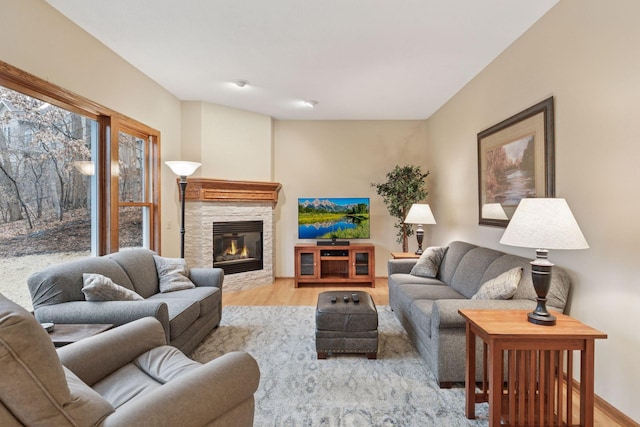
<point x="361" y="263"/>
<point x="307" y="266"/>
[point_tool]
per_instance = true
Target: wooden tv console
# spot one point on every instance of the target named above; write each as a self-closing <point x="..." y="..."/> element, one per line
<point x="335" y="264"/>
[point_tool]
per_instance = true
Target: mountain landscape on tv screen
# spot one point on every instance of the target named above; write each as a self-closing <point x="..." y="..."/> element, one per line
<point x="333" y="218"/>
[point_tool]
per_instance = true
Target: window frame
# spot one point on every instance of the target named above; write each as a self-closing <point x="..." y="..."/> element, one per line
<point x="110" y="122"/>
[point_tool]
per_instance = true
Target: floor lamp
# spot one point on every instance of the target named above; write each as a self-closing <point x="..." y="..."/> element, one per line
<point x="543" y="224"/>
<point x="419" y="214"/>
<point x="183" y="170"/>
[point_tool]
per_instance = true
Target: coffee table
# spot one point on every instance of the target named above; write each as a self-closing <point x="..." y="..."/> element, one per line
<point x="67" y="333"/>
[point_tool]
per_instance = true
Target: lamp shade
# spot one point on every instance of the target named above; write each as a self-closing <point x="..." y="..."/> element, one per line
<point x="420" y="214"/>
<point x="544" y="224"/>
<point x="182" y="168"/>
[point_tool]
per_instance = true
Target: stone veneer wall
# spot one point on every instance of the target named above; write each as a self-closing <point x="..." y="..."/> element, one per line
<point x="198" y="247"/>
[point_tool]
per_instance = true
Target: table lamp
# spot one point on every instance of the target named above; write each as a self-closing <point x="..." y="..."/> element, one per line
<point x="419" y="214"/>
<point x="183" y="170"/>
<point x="543" y="224"/>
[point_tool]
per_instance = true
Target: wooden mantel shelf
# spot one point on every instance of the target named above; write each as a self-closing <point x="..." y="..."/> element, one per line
<point x="219" y="190"/>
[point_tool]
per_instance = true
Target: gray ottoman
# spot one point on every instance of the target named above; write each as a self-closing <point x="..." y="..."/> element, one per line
<point x="346" y="327"/>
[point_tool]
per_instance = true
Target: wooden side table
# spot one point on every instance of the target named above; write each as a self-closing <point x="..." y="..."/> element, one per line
<point x="64" y="334"/>
<point x="404" y="255"/>
<point x="532" y="392"/>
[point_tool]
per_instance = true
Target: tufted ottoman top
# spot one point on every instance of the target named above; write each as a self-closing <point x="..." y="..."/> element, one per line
<point x="346" y="316"/>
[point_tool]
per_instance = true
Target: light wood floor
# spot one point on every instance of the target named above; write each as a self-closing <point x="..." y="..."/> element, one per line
<point x="283" y="292"/>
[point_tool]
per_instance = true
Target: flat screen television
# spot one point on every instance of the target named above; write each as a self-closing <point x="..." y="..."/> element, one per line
<point x="333" y="218"/>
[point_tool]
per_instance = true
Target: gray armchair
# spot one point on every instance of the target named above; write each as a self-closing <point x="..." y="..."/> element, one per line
<point x="127" y="376"/>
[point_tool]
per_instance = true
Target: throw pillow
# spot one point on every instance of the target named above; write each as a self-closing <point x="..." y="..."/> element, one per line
<point x="429" y="262"/>
<point x="101" y="288"/>
<point x="173" y="274"/>
<point x="502" y="287"/>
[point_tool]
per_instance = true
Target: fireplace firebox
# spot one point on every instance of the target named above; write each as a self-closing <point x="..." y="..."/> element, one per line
<point x="237" y="246"/>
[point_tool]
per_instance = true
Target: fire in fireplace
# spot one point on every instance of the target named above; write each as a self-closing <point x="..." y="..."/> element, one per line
<point x="237" y="246"/>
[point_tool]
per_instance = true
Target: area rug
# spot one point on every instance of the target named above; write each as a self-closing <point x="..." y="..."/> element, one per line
<point x="296" y="389"/>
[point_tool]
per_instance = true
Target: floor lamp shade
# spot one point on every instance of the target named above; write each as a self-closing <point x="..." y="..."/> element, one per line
<point x="543" y="224"/>
<point x="183" y="170"/>
<point x="420" y="214"/>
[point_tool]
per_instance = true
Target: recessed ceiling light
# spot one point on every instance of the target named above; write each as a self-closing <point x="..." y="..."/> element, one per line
<point x="241" y="83"/>
<point x="311" y="103"/>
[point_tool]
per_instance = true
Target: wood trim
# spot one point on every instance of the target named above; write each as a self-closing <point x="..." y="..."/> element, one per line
<point x="29" y="84"/>
<point x="219" y="190"/>
<point x="605" y="407"/>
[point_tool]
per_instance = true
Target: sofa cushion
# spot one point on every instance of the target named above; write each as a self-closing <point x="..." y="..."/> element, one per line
<point x="100" y="288"/>
<point x="173" y="274"/>
<point x="87" y="407"/>
<point x="205" y="295"/>
<point x="140" y="267"/>
<point x="125" y="384"/>
<point x="182" y="313"/>
<point x="468" y="276"/>
<point x="165" y="363"/>
<point x="455" y="252"/>
<point x="502" y="287"/>
<point x="406" y="278"/>
<point x="504" y="263"/>
<point x="408" y="293"/>
<point x="429" y="262"/>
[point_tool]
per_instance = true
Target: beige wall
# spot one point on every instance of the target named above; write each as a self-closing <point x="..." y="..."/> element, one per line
<point x="231" y="144"/>
<point x="40" y="41"/>
<point x="341" y="159"/>
<point x="191" y="121"/>
<point x="585" y="54"/>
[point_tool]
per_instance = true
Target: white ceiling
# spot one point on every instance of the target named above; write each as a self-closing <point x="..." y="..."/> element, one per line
<point x="360" y="59"/>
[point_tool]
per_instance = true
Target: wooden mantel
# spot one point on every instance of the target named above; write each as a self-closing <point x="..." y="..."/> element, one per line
<point x="219" y="190"/>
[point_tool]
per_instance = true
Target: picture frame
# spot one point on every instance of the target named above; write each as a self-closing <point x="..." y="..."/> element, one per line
<point x="516" y="159"/>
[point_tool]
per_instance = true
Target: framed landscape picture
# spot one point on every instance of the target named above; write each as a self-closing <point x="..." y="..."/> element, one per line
<point x="515" y="161"/>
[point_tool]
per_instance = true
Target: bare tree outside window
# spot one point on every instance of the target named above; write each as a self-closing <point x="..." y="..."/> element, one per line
<point x="133" y="210"/>
<point x="45" y="194"/>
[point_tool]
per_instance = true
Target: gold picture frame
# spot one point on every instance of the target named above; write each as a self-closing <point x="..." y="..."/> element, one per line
<point x="515" y="160"/>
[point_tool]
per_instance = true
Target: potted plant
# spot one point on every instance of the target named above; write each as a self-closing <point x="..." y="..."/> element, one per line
<point x="404" y="187"/>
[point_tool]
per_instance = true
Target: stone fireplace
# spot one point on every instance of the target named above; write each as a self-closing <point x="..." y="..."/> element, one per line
<point x="230" y="204"/>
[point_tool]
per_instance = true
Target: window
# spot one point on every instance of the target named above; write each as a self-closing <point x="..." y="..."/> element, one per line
<point x="135" y="203"/>
<point x="75" y="178"/>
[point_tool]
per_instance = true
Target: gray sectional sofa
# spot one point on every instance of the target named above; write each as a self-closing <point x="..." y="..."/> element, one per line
<point x="428" y="307"/>
<point x="187" y="316"/>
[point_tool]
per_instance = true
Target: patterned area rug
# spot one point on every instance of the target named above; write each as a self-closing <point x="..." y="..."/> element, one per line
<point x="296" y="389"/>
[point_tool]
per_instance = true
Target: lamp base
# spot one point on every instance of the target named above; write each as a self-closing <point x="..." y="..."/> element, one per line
<point x="540" y="319"/>
<point x="419" y="237"/>
<point x="541" y="277"/>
